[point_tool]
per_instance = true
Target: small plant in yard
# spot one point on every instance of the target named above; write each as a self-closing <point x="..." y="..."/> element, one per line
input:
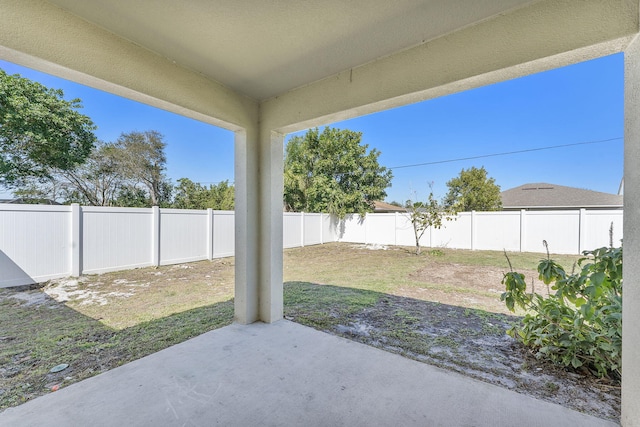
<point x="424" y="215"/>
<point x="580" y="325"/>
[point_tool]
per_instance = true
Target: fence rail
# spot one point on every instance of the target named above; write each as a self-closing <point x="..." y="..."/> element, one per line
<point x="38" y="243"/>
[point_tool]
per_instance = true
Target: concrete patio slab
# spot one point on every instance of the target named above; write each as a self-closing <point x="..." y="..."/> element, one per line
<point x="285" y="374"/>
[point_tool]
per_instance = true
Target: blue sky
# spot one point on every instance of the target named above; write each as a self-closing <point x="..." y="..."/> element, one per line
<point x="576" y="104"/>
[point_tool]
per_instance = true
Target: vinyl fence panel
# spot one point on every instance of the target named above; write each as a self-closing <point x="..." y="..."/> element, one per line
<point x="497" y="232"/>
<point x="381" y="229"/>
<point x="453" y="234"/>
<point x="223" y="234"/>
<point x="405" y="235"/>
<point x="183" y="235"/>
<point x="35" y="243"/>
<point x="116" y="239"/>
<point x="560" y="229"/>
<point x="292" y="229"/>
<point x="353" y="229"/>
<point x="312" y="232"/>
<point x="596" y="229"/>
<point x="330" y="228"/>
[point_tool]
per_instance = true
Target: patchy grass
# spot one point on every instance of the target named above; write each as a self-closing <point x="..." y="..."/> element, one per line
<point x="124" y="299"/>
<point x="469" y="341"/>
<point x="100" y="322"/>
<point x="458" y="277"/>
<point x="441" y="307"/>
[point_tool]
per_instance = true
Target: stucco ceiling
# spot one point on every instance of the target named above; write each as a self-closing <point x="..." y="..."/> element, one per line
<point x="265" y="48"/>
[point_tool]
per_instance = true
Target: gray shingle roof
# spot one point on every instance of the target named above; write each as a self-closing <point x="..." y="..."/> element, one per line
<point x="538" y="195"/>
<point x="382" y="207"/>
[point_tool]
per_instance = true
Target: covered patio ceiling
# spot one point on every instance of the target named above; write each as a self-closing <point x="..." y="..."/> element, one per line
<point x="262" y="49"/>
<point x="266" y="68"/>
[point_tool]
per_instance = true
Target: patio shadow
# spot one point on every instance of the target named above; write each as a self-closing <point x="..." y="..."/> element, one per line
<point x="468" y="341"/>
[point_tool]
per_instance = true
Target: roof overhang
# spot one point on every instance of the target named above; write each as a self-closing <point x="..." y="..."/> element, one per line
<point x="299" y="64"/>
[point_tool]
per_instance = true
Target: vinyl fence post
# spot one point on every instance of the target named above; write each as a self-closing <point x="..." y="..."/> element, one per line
<point x="322" y="229"/>
<point x="523" y="230"/>
<point x="155" y="236"/>
<point x="210" y="231"/>
<point x="582" y="231"/>
<point x="76" y="240"/>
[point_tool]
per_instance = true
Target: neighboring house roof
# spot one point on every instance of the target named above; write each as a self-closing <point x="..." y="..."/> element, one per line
<point x="22" y="200"/>
<point x="551" y="196"/>
<point x="384" y="207"/>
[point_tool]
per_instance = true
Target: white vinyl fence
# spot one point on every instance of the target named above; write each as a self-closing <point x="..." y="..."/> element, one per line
<point x="566" y="231"/>
<point x="38" y="243"/>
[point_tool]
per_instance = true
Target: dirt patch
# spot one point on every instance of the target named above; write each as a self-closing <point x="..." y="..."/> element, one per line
<point x="474" y="343"/>
<point x="473" y="286"/>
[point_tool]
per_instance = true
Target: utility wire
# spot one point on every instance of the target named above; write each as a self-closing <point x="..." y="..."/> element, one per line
<point x="505" y="153"/>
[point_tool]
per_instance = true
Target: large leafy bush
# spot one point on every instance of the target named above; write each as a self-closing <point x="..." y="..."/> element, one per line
<point x="579" y="323"/>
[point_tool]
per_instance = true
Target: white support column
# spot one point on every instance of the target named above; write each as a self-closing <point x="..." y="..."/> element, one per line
<point x="271" y="247"/>
<point x="258" y="227"/>
<point x="246" y="227"/>
<point x="302" y="229"/>
<point x="76" y="240"/>
<point x="631" y="273"/>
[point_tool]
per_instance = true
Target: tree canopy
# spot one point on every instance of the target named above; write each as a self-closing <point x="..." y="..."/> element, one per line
<point x="331" y="171"/>
<point x="39" y="131"/>
<point x="193" y="195"/>
<point x="128" y="172"/>
<point x="473" y="190"/>
<point x="142" y="160"/>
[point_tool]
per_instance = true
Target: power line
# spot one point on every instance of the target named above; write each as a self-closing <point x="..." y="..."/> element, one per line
<point x="506" y="153"/>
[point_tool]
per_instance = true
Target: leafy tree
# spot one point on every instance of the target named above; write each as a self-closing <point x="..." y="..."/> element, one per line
<point x="193" y="195"/>
<point x="472" y="190"/>
<point x="39" y="191"/>
<point x="96" y="182"/>
<point x="332" y="172"/>
<point x="132" y="197"/>
<point x="129" y="172"/>
<point x="39" y="131"/>
<point x="222" y="196"/>
<point x="143" y="161"/>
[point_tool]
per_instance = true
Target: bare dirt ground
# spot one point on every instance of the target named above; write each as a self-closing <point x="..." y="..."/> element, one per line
<point x="473" y="343"/>
<point x="481" y="285"/>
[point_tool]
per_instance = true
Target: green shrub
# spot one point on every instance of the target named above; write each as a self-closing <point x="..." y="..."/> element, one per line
<point x="580" y="325"/>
